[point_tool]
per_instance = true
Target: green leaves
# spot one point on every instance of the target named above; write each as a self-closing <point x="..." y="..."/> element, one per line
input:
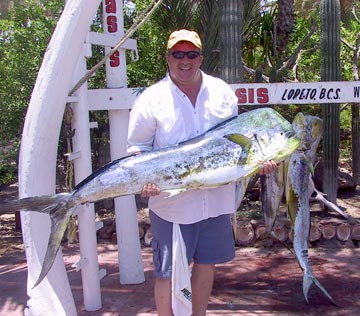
<point x="24" y="36"/>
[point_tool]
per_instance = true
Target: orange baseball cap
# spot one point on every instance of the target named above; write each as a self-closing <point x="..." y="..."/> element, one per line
<point x="184" y="35"/>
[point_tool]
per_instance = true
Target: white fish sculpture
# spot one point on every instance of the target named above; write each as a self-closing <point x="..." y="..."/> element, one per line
<point x="230" y="152"/>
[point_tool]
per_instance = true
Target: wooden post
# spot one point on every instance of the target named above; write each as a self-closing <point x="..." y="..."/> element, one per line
<point x="131" y="269"/>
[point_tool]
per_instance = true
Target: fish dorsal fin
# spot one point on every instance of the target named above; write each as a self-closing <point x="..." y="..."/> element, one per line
<point x="243" y="141"/>
<point x="100" y="170"/>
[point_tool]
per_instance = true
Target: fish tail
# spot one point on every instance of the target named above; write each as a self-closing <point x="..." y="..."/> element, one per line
<point x="60" y="214"/>
<point x="308" y="280"/>
<point x="42" y="204"/>
<point x="60" y="207"/>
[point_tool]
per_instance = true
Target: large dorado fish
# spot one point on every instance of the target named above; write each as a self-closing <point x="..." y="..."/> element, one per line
<point x="297" y="196"/>
<point x="232" y="151"/>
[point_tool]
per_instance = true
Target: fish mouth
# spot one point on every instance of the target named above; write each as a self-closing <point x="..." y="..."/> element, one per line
<point x="289" y="133"/>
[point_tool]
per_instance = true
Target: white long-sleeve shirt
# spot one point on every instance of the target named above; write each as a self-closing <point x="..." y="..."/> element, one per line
<point x="162" y="116"/>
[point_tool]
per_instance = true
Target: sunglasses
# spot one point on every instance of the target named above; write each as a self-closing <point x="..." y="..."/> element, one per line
<point x="181" y="55"/>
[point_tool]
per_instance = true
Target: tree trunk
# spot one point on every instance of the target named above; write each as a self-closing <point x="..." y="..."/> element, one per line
<point x="355" y="118"/>
<point x="230" y="36"/>
<point x="284" y="24"/>
<point x="355" y="131"/>
<point x="330" y="71"/>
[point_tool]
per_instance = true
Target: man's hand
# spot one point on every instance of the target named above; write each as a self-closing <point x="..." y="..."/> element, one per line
<point x="150" y="189"/>
<point x="268" y="167"/>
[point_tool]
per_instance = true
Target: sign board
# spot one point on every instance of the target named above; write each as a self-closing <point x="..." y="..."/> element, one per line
<point x="298" y="92"/>
<point x="248" y="94"/>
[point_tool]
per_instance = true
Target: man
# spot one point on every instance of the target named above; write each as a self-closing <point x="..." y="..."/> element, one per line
<point x="184" y="104"/>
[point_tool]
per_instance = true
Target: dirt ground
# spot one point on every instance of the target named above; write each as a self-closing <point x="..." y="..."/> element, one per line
<point x="259" y="281"/>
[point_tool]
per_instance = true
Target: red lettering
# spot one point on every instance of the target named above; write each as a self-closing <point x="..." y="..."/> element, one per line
<point x="262" y="95"/>
<point x="241" y="94"/>
<point x="112" y="24"/>
<point x="248" y="95"/>
<point x="251" y="95"/>
<point x="110" y="6"/>
<point x="114" y="59"/>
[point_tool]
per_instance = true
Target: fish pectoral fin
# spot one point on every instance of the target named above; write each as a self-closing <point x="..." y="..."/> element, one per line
<point x="243" y="141"/>
<point x="175" y="192"/>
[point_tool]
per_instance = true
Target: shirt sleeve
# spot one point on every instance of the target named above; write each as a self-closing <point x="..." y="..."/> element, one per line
<point x="142" y="126"/>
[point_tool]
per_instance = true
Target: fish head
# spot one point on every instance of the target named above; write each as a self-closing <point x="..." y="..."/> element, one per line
<point x="300" y="128"/>
<point x="314" y="125"/>
<point x="273" y="139"/>
<point x="315" y="130"/>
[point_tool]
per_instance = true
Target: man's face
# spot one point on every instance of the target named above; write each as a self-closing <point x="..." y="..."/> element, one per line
<point x="184" y="71"/>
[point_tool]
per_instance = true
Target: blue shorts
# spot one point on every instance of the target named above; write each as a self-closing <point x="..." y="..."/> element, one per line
<point x="210" y="241"/>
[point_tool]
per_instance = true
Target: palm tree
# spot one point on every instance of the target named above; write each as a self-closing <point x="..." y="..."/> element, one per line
<point x="230" y="29"/>
<point x="284" y="23"/>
